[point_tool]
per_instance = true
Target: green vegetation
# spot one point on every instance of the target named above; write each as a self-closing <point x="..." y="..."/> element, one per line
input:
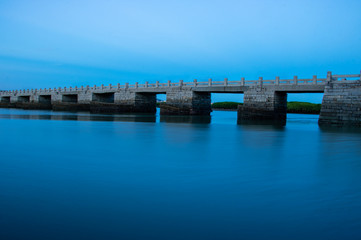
<point x="292" y="107"/>
<point x="226" y="105"/>
<point x="158" y="104"/>
<point x="303" y="107"/>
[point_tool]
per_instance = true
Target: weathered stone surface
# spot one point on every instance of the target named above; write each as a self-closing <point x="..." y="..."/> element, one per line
<point x="186" y="102"/>
<point x="341" y="104"/>
<point x="123" y="102"/>
<point x="7" y="105"/>
<point x="62" y="106"/>
<point x="263" y="105"/>
<point x="33" y="105"/>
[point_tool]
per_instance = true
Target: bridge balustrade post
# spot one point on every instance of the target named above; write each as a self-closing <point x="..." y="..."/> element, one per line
<point x="314" y="79"/>
<point x="242" y="81"/>
<point x="260" y="81"/>
<point x="169" y="83"/>
<point x="277" y="80"/>
<point x="329" y="76"/>
<point x="87" y="87"/>
<point x="136" y="85"/>
<point x="225" y="81"/>
<point x="295" y="80"/>
<point x="110" y="86"/>
<point x="195" y="82"/>
<point x="102" y="86"/>
<point x="118" y="86"/>
<point x="95" y="86"/>
<point x="157" y="84"/>
<point x="70" y="89"/>
<point x="210" y="82"/>
<point x="146" y="84"/>
<point x="180" y="83"/>
<point x="126" y="85"/>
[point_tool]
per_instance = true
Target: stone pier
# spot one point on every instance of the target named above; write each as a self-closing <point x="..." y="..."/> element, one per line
<point x="263" y="105"/>
<point x="186" y="102"/>
<point x="341" y="104"/>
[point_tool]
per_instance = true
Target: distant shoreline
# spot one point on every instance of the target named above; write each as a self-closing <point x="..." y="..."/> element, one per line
<point x="235" y="110"/>
<point x="292" y="107"/>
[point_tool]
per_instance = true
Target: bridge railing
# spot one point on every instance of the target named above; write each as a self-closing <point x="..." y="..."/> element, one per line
<point x="346" y="77"/>
<point x="242" y="82"/>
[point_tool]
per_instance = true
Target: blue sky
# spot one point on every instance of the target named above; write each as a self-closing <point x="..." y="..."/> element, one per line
<point x="73" y="43"/>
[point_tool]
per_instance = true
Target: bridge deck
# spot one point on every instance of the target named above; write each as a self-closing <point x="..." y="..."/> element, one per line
<point x="295" y="85"/>
<point x="285" y="85"/>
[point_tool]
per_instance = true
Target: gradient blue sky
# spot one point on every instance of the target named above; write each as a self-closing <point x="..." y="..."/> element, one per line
<point x="69" y="43"/>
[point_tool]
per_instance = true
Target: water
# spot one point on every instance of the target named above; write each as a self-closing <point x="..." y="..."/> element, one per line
<point x="81" y="176"/>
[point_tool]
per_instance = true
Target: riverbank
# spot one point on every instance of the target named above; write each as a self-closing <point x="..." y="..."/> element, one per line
<point x="292" y="107"/>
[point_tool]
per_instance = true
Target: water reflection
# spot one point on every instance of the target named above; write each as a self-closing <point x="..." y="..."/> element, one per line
<point x="279" y="123"/>
<point x="340" y="129"/>
<point x="176" y="181"/>
<point x="185" y="119"/>
<point x="82" y="117"/>
<point x="86" y="116"/>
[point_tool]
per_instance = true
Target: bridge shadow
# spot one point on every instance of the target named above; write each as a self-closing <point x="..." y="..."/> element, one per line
<point x="86" y="116"/>
<point x="185" y="119"/>
<point x="340" y="129"/>
<point x="272" y="124"/>
<point x="81" y="116"/>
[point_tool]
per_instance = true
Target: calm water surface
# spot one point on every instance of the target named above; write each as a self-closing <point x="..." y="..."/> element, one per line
<point x="81" y="176"/>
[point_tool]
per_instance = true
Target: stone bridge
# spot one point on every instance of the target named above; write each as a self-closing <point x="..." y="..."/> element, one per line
<point x="264" y="100"/>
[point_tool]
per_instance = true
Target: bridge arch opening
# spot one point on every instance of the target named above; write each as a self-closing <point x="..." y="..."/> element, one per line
<point x="24" y="99"/>
<point x="304" y="103"/>
<point x="103" y="97"/>
<point x="45" y="99"/>
<point x="226" y="101"/>
<point x="5" y="99"/>
<point x="70" y="98"/>
<point x="160" y="98"/>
